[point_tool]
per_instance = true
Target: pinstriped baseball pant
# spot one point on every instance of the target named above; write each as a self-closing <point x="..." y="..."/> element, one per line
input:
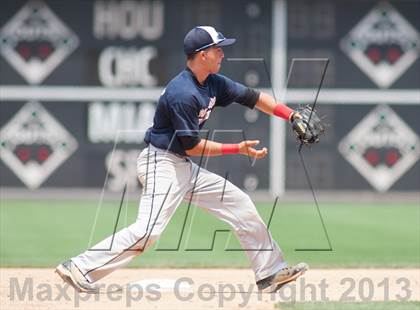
<point x="167" y="180"/>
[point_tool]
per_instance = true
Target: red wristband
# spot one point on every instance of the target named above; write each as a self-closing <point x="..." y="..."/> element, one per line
<point x="283" y="111"/>
<point x="230" y="148"/>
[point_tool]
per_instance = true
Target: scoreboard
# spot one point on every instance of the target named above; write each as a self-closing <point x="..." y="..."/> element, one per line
<point x="370" y="44"/>
<point x="92" y="71"/>
<point x="372" y="84"/>
<point x="79" y="82"/>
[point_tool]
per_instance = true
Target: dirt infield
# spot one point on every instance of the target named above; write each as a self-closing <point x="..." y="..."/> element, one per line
<point x="203" y="289"/>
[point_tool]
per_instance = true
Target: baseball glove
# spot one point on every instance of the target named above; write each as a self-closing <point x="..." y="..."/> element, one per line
<point x="309" y="128"/>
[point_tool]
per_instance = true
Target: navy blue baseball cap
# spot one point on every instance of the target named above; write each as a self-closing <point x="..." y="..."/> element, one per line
<point x="202" y="37"/>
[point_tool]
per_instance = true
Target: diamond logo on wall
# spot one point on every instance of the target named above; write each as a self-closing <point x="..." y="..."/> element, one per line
<point x="34" y="144"/>
<point x="381" y="147"/>
<point x="35" y="41"/>
<point x="383" y="45"/>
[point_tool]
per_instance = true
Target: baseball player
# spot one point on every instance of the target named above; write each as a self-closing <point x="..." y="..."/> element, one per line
<point x="168" y="175"/>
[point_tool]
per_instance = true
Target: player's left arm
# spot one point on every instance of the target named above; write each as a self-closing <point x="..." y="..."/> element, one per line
<point x="268" y="105"/>
<point x="231" y="91"/>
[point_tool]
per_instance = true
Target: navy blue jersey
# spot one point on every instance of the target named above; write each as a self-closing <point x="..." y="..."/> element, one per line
<point x="185" y="105"/>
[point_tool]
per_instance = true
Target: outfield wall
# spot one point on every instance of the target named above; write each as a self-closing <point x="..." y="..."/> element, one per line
<point x="79" y="82"/>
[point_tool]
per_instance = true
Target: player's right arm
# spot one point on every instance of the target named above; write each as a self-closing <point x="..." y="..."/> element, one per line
<point x="212" y="148"/>
<point x="184" y="118"/>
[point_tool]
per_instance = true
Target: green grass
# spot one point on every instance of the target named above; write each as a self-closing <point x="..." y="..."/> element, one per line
<point x="42" y="233"/>
<point x="350" y="306"/>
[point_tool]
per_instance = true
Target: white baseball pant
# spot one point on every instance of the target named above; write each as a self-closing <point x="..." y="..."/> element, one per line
<point x="167" y="180"/>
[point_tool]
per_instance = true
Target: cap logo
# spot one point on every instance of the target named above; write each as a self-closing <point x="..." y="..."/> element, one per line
<point x="211" y="31"/>
<point x="203" y="37"/>
<point x="216" y="37"/>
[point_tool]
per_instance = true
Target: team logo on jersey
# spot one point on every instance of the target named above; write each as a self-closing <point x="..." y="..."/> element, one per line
<point x="381" y="147"/>
<point x="204" y="114"/>
<point x="35" y="41"/>
<point x="383" y="45"/>
<point x="34" y="144"/>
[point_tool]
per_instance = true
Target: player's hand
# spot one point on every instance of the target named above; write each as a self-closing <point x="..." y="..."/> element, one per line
<point x="295" y="115"/>
<point x="246" y="148"/>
